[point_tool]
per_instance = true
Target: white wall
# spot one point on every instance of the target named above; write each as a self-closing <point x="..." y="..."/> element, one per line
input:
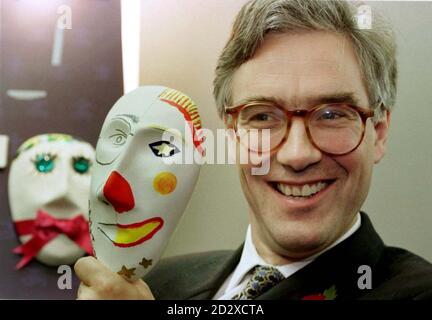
<point x="400" y="200"/>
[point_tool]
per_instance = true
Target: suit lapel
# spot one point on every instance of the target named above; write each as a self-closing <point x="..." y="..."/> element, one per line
<point x="212" y="277"/>
<point x="335" y="273"/>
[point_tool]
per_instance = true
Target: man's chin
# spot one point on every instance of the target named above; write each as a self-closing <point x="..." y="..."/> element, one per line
<point x="299" y="250"/>
<point x="299" y="239"/>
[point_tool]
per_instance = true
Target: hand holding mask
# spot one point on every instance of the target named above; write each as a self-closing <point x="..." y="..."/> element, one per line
<point x="140" y="183"/>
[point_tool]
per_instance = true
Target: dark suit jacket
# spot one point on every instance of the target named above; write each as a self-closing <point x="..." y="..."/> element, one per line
<point x="396" y="273"/>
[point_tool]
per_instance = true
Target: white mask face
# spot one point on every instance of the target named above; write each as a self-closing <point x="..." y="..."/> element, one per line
<point x="51" y="175"/>
<point x="137" y="198"/>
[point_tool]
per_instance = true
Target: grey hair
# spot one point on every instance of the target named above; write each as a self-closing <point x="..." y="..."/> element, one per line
<point x="375" y="48"/>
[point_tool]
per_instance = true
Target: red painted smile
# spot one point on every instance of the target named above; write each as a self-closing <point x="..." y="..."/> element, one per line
<point x="131" y="235"/>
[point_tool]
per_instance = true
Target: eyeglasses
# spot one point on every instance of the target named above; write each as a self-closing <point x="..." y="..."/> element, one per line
<point x="335" y="128"/>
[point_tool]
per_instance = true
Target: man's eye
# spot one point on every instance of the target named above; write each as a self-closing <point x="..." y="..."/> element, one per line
<point x="163" y="148"/>
<point x="118" y="139"/>
<point x="44" y="162"/>
<point x="81" y="165"/>
<point x="332" y="115"/>
<point x="262" y="117"/>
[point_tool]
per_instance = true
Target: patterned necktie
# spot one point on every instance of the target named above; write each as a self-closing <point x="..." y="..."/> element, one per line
<point x="263" y="279"/>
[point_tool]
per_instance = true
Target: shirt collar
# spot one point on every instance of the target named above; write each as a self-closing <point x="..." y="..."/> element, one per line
<point x="250" y="257"/>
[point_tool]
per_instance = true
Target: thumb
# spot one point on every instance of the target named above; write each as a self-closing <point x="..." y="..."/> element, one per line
<point x="143" y="289"/>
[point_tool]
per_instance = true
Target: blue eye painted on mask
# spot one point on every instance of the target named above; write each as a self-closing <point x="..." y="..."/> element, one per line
<point x="81" y="165"/>
<point x="44" y="162"/>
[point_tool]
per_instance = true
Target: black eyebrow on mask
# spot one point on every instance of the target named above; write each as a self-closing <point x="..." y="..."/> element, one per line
<point x="124" y="120"/>
<point x="125" y="117"/>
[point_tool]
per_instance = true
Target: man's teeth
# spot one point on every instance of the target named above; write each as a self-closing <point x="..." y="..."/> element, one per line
<point x="306" y="190"/>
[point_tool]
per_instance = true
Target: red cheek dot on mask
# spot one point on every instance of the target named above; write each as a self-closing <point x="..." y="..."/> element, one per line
<point x="165" y="183"/>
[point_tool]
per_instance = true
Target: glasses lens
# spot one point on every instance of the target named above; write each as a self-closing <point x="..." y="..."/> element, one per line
<point x="336" y="129"/>
<point x="261" y="127"/>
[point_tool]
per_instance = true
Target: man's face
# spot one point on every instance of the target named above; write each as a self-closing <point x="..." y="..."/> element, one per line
<point x="52" y="176"/>
<point x="298" y="70"/>
<point x="137" y="198"/>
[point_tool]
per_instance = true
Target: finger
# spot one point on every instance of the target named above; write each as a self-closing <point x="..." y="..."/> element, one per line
<point x="90" y="270"/>
<point x="80" y="290"/>
<point x="81" y="267"/>
<point x="86" y="293"/>
<point x="144" y="289"/>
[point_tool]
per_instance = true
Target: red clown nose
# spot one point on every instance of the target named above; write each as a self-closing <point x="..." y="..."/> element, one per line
<point x="118" y="192"/>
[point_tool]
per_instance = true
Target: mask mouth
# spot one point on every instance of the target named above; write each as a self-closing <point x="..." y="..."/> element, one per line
<point x="62" y="208"/>
<point x="130" y="235"/>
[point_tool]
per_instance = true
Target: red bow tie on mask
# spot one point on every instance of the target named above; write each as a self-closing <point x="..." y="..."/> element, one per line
<point x="45" y="228"/>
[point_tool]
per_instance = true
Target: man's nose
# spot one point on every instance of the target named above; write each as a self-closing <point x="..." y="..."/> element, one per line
<point x="297" y="151"/>
<point x="118" y="192"/>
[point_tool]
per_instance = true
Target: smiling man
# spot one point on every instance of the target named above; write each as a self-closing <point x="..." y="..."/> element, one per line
<point x="324" y="89"/>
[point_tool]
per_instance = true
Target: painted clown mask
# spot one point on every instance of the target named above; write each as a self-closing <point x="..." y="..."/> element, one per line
<point x="140" y="184"/>
<point x="49" y="183"/>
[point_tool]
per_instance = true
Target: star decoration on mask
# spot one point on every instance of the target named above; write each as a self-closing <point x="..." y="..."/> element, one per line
<point x="146" y="263"/>
<point x="164" y="149"/>
<point x="125" y="272"/>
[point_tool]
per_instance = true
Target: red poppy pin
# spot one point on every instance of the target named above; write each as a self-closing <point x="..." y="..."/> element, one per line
<point x="328" y="294"/>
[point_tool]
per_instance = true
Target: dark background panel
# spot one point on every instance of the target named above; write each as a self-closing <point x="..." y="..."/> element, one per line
<point x="80" y="92"/>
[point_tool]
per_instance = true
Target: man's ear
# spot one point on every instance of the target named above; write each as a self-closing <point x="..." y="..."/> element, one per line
<point x="381" y="134"/>
<point x="227" y="119"/>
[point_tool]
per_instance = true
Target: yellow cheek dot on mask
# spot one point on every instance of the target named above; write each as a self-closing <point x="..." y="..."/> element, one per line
<point x="165" y="182"/>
